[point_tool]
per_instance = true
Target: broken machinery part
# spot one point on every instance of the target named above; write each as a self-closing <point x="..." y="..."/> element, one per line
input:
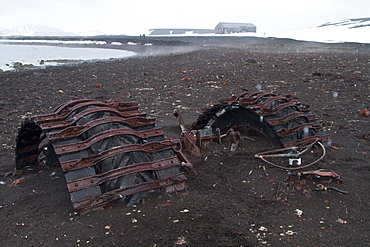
<point x="108" y="150"/>
<point x="290" y="121"/>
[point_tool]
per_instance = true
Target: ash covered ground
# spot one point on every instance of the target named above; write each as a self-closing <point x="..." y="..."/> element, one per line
<point x="232" y="201"/>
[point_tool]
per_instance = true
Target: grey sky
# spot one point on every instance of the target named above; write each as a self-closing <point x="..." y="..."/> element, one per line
<point x="121" y="16"/>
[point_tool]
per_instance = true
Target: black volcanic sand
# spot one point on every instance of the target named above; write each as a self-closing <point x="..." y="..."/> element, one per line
<point x="231" y="202"/>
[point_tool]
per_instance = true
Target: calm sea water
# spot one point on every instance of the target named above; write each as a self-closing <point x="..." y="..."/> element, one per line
<point x="33" y="54"/>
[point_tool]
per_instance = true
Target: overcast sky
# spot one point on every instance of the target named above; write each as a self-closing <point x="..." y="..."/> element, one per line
<point x="127" y="17"/>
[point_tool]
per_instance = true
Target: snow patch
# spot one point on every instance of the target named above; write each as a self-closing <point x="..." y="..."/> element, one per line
<point x="351" y="30"/>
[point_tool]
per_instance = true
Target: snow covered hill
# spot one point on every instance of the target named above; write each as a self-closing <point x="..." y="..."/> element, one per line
<point x="33" y="30"/>
<point x="350" y="23"/>
<point x="350" y="30"/>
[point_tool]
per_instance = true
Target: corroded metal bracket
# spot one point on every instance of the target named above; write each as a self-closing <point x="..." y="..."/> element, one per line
<point x="193" y="141"/>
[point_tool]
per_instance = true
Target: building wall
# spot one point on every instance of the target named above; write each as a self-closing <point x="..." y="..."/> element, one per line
<point x="221" y="29"/>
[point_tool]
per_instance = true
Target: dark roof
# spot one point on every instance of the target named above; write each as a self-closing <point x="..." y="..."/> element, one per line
<point x="233" y="25"/>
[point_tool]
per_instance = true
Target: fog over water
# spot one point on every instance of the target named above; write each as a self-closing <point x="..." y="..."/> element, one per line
<point x="34" y="54"/>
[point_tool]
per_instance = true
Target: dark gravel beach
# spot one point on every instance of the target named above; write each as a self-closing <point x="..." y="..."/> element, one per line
<point x="232" y="201"/>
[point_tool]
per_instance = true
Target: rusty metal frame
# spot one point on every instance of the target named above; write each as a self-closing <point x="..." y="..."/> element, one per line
<point x="96" y="158"/>
<point x="291" y="116"/>
<point x="62" y="123"/>
<point x="287" y="132"/>
<point x="62" y="111"/>
<point x="192" y="139"/>
<point x="74" y="147"/>
<point x="58" y="133"/>
<point x="78" y="130"/>
<point x="94" y="202"/>
<point x="99" y="179"/>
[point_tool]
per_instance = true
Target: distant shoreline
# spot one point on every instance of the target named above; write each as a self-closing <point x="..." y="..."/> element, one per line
<point x="156" y="46"/>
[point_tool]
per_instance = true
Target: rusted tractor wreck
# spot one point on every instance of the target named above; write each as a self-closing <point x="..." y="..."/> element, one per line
<point x="281" y="117"/>
<point x="111" y="150"/>
<point x="107" y="150"/>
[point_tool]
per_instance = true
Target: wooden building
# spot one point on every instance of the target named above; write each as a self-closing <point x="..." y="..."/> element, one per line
<point x="231" y="27"/>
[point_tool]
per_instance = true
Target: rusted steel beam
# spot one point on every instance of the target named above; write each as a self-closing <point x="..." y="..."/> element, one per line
<point x="319" y="173"/>
<point x="67" y="106"/>
<point x="74" y="147"/>
<point x="100" y="200"/>
<point x="96" y="158"/>
<point x="63" y="111"/>
<point x="253" y="98"/>
<point x="138" y="121"/>
<point x="291" y="116"/>
<point x="234" y="98"/>
<point x="267" y="102"/>
<point x="101" y="178"/>
<point x="66" y="123"/>
<point x="298" y="105"/>
<point x="189" y="139"/>
<point x="307" y="140"/>
<point x="69" y="132"/>
<point x="302" y="127"/>
<point x="123" y="106"/>
<point x="92" y="140"/>
<point x="64" y="114"/>
<point x="186" y="166"/>
<point x="73" y="131"/>
<point x="192" y="142"/>
<point x="245" y="95"/>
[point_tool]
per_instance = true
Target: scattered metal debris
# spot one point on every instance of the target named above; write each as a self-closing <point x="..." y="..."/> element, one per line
<point x="16" y="182"/>
<point x="321" y="187"/>
<point x="295" y="163"/>
<point x="317" y="174"/>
